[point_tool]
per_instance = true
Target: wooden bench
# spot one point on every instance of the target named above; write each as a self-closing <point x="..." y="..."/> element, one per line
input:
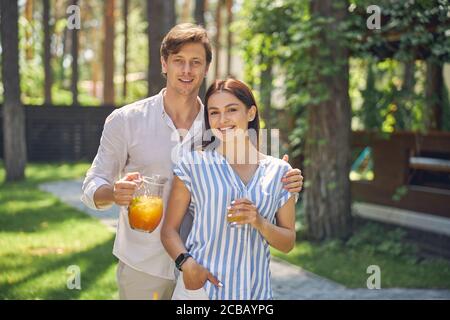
<point x="431" y="164"/>
<point x="396" y="160"/>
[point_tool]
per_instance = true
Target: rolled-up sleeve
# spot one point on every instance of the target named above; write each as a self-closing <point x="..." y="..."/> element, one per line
<point x="110" y="160"/>
<point x="283" y="194"/>
<point x="182" y="170"/>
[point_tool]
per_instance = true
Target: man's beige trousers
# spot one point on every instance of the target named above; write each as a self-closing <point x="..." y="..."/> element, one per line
<point x="137" y="285"/>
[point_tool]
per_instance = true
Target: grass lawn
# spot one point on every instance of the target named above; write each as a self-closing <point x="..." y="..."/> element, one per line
<point x="40" y="238"/>
<point x="348" y="266"/>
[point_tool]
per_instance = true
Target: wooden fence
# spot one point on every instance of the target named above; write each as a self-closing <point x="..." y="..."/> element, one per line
<point x="411" y="171"/>
<point x="65" y="133"/>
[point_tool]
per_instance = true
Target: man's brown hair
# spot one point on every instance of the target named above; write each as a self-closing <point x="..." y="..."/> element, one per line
<point x="182" y="34"/>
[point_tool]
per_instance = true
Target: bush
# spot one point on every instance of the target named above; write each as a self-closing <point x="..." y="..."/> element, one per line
<point x="375" y="238"/>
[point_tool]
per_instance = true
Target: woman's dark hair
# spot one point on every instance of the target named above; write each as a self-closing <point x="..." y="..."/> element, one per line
<point x="241" y="91"/>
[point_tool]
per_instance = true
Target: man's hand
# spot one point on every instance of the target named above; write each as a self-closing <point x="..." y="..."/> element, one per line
<point x="195" y="275"/>
<point x="293" y="179"/>
<point x="125" y="188"/>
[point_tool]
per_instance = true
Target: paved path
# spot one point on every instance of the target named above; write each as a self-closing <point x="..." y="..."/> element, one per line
<point x="289" y="282"/>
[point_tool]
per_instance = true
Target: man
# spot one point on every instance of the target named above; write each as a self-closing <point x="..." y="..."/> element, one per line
<point x="143" y="138"/>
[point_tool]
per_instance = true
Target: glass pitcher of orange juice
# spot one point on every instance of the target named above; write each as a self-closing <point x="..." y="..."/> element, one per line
<point x="146" y="209"/>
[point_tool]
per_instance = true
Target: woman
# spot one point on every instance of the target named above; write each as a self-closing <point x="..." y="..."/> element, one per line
<point x="229" y="179"/>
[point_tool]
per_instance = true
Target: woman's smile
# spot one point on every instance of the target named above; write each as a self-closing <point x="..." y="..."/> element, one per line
<point x="225" y="129"/>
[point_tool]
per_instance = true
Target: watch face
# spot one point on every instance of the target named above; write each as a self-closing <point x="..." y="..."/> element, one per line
<point x="180" y="259"/>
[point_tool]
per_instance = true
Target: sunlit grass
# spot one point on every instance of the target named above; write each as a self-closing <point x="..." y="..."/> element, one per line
<point x="349" y="266"/>
<point x="41" y="237"/>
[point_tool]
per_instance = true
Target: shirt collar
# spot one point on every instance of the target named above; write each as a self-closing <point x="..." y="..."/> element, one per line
<point x="199" y="117"/>
<point x="161" y="101"/>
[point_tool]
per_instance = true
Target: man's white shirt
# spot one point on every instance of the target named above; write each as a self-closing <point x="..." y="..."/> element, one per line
<point x="141" y="137"/>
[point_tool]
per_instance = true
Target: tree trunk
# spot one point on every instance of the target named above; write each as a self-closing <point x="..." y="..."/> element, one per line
<point x="75" y="74"/>
<point x="161" y="18"/>
<point x="126" y="5"/>
<point x="186" y="11"/>
<point x="218" y="32"/>
<point x="402" y="115"/>
<point x="14" y="139"/>
<point x="108" y="54"/>
<point x="95" y="78"/>
<point x="48" y="79"/>
<point x="199" y="12"/>
<point x="433" y="93"/>
<point x="199" y="15"/>
<point x="409" y="80"/>
<point x="327" y="196"/>
<point x="370" y="99"/>
<point x="229" y="34"/>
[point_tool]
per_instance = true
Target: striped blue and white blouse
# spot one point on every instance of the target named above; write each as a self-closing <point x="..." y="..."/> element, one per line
<point x="239" y="257"/>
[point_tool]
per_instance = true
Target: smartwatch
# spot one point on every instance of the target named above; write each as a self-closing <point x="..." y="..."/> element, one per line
<point x="181" y="259"/>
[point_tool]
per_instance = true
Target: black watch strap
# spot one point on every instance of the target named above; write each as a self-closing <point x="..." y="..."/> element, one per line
<point x="181" y="259"/>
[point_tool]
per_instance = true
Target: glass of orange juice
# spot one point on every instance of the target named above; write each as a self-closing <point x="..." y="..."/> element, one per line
<point x="236" y="217"/>
<point x="146" y="209"/>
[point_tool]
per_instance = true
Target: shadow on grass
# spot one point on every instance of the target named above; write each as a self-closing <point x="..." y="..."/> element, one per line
<point x="93" y="263"/>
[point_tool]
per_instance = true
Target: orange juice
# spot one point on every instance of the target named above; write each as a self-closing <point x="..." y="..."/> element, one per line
<point x="145" y="213"/>
<point x="235" y="219"/>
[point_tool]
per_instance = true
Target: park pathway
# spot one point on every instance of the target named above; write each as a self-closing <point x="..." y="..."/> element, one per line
<point x="289" y="282"/>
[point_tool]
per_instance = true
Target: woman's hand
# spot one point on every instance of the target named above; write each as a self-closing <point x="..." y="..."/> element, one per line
<point x="195" y="275"/>
<point x="281" y="235"/>
<point x="247" y="213"/>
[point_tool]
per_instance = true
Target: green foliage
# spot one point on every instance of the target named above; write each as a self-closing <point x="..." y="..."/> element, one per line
<point x="262" y="27"/>
<point x="348" y="265"/>
<point x="408" y="28"/>
<point x="374" y="238"/>
<point x="386" y="105"/>
<point x="31" y="39"/>
<point x="137" y="90"/>
<point x="285" y="33"/>
<point x="399" y="193"/>
<point x="32" y="76"/>
<point x="370" y="112"/>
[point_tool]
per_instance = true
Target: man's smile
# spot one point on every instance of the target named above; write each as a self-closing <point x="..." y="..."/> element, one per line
<point x="186" y="80"/>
